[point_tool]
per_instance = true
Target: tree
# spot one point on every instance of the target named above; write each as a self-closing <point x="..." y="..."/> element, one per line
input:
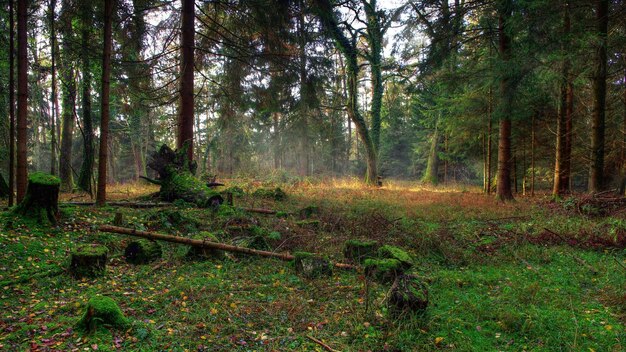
<point x="68" y="98"/>
<point x="348" y="48"/>
<point x="11" y="105"/>
<point x="22" y="100"/>
<point x="596" y="172"/>
<point x="104" y="108"/>
<point x="86" y="169"/>
<point x="186" y="107"/>
<point x="53" y="94"/>
<point x="503" y="191"/>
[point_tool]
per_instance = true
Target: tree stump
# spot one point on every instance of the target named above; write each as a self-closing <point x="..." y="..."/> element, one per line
<point x="41" y="201"/>
<point x="102" y="311"/>
<point x="88" y="260"/>
<point x="203" y="253"/>
<point x="408" y="294"/>
<point x="383" y="270"/>
<point x="356" y="251"/>
<point x="312" y="266"/>
<point x="142" y="251"/>
<point x="177" y="180"/>
<point x="399" y="254"/>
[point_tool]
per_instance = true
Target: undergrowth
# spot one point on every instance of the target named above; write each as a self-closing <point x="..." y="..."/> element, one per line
<point x="497" y="280"/>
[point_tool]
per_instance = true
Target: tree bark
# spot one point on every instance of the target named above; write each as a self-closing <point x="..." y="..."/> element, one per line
<point x="68" y="101"/>
<point x="22" y="100"/>
<point x="104" y="109"/>
<point x="11" y="104"/>
<point x="186" y="108"/>
<point x="503" y="191"/>
<point x="431" y="175"/>
<point x="375" y="39"/>
<point x="54" y="99"/>
<point x="596" y="173"/>
<point x="561" y="172"/>
<point x="86" y="169"/>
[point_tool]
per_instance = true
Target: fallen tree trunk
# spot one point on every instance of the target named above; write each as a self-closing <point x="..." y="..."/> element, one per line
<point x="203" y="243"/>
<point x="122" y="204"/>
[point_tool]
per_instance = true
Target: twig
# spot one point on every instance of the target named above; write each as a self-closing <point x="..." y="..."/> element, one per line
<point x="325" y="346"/>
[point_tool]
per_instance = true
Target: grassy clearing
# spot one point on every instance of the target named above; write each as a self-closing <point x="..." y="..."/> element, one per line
<point x="496" y="280"/>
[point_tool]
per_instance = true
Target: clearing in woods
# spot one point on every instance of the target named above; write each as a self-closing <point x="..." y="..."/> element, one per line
<point x="527" y="275"/>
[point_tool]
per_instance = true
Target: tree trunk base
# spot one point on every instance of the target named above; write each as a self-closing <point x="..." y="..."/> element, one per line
<point x="41" y="201"/>
<point x="88" y="260"/>
<point x="312" y="266"/>
<point x="142" y="251"/>
<point x="407" y="295"/>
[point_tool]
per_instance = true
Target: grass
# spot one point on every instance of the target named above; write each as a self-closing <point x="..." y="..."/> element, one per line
<point x="496" y="281"/>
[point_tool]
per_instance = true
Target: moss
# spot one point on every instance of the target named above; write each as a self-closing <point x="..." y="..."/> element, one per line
<point x="383" y="270"/>
<point x="276" y="193"/>
<point x="142" y="251"/>
<point x="102" y="311"/>
<point x="356" y="251"/>
<point x="393" y="252"/>
<point x="88" y="260"/>
<point x="309" y="211"/>
<point x="312" y="266"/>
<point x="43" y="178"/>
<point x="309" y="224"/>
<point x="196" y="252"/>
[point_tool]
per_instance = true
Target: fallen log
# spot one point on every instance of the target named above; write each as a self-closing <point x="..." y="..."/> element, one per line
<point x="123" y="204"/>
<point x="204" y="244"/>
<point x="260" y="211"/>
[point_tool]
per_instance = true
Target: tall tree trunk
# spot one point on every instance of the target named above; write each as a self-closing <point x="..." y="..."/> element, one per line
<point x="503" y="191"/>
<point x="22" y="100"/>
<point x="596" y="172"/>
<point x="305" y="94"/>
<point x="104" y="109"/>
<point x="54" y="99"/>
<point x="489" y="141"/>
<point x="561" y="174"/>
<point x="68" y="102"/>
<point x="86" y="169"/>
<point x="431" y="175"/>
<point x="375" y="40"/>
<point x="186" y="108"/>
<point x="11" y="104"/>
<point x="532" y="156"/>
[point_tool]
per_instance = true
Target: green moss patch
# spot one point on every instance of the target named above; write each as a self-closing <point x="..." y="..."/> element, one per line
<point x="142" y="251"/>
<point x="88" y="260"/>
<point x="399" y="254"/>
<point x="42" y="178"/>
<point x="356" y="251"/>
<point x="383" y="270"/>
<point x="102" y="311"/>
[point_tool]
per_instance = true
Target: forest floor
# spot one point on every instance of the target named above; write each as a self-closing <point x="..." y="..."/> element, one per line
<point x="530" y="275"/>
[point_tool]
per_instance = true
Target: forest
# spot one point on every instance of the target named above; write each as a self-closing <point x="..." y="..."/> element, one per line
<point x="313" y="175"/>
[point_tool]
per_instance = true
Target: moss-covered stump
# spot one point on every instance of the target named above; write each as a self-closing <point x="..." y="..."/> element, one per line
<point x="408" y="294"/>
<point x="142" y="251"/>
<point x="383" y="270"/>
<point x="102" y="311"/>
<point x="258" y="242"/>
<point x="203" y="253"/>
<point x="88" y="260"/>
<point x="312" y="266"/>
<point x="177" y="178"/>
<point x="277" y="193"/>
<point x="356" y="251"/>
<point x="309" y="211"/>
<point x="309" y="224"/>
<point x="399" y="254"/>
<point x="41" y="201"/>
